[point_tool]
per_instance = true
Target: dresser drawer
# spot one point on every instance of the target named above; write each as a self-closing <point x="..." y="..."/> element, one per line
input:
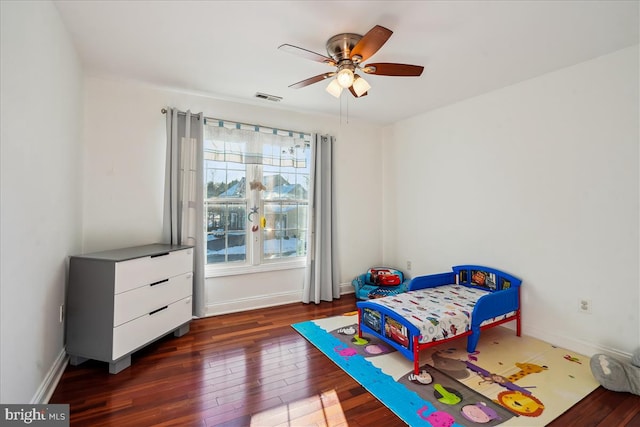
<point x="143" y="300"/>
<point x="138" y="332"/>
<point x="143" y="271"/>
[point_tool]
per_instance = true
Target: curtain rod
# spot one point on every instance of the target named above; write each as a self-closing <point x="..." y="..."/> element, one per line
<point x="181" y="113"/>
<point x="164" y="111"/>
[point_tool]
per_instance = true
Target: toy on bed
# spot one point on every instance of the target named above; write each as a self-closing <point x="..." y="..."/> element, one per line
<point x="441" y="307"/>
<point x="380" y="282"/>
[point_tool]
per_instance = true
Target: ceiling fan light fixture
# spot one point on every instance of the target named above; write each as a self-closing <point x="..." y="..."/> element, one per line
<point x="334" y="88"/>
<point x="345" y="78"/>
<point x="360" y="85"/>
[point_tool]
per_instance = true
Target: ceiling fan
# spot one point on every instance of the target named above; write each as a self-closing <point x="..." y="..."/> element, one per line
<point x="346" y="52"/>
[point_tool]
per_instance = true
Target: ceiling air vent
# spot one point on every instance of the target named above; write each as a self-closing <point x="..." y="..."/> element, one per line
<point x="268" y="97"/>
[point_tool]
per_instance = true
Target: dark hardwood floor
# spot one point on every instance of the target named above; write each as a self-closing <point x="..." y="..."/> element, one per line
<point x="252" y="368"/>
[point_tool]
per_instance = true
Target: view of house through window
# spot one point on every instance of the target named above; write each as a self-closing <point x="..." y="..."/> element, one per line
<point x="257" y="184"/>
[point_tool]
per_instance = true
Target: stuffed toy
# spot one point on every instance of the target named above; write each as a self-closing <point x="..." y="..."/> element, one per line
<point x="257" y="185"/>
<point x="617" y="376"/>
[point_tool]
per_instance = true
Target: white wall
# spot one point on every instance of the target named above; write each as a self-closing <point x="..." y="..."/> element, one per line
<point x="124" y="178"/>
<point x="41" y="193"/>
<point x="539" y="179"/>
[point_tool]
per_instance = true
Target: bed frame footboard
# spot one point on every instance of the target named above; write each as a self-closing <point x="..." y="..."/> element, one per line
<point x="396" y="331"/>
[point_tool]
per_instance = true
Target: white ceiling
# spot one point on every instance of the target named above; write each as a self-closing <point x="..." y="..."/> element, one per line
<point x="228" y="49"/>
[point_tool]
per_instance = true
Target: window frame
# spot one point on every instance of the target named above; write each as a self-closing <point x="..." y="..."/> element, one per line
<point x="255" y="261"/>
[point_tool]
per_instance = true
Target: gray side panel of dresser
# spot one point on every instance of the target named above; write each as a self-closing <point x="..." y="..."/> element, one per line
<point x="90" y="305"/>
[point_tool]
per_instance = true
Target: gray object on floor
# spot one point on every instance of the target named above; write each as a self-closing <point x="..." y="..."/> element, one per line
<point x="615" y="375"/>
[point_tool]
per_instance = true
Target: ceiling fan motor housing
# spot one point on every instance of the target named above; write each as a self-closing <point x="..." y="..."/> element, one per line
<point x="340" y="46"/>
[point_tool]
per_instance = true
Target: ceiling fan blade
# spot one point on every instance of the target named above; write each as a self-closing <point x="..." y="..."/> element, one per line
<point x="371" y="42"/>
<point x="390" y="69"/>
<point x="312" y="80"/>
<point x="353" y="92"/>
<point x="306" y="53"/>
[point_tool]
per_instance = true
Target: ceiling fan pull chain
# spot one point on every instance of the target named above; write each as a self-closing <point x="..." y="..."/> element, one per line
<point x="347" y="101"/>
<point x="341" y="108"/>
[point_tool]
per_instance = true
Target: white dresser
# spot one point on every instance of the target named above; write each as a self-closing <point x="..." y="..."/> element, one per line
<point x="121" y="300"/>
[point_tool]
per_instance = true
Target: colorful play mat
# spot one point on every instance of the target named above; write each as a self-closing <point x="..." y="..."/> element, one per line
<point x="508" y="381"/>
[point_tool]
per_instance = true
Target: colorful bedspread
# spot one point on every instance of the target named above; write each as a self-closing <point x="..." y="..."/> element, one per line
<point x="439" y="313"/>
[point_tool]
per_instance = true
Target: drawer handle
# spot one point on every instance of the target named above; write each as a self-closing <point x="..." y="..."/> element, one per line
<point x="159" y="282"/>
<point x="157" y="255"/>
<point x="160" y="309"/>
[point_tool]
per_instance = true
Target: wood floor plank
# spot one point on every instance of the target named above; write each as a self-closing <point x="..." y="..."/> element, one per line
<point x="252" y="367"/>
<point x="625" y="412"/>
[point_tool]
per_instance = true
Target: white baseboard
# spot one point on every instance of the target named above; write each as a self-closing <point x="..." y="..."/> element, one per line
<point x="260" y="301"/>
<point x="582" y="347"/>
<point x="263" y="301"/>
<point x="51" y="380"/>
<point x="346" y="288"/>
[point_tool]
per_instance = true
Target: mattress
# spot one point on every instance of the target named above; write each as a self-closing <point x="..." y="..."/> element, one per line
<point x="439" y="313"/>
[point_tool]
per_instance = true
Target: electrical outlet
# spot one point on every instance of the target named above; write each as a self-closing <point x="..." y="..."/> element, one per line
<point x="62" y="313"/>
<point x="408" y="265"/>
<point x="584" y="305"/>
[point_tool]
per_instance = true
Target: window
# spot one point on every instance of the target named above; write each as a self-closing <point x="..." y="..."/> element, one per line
<point x="257" y="184"/>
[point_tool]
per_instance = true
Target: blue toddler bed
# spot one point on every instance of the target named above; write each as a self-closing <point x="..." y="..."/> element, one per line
<point x="441" y="307"/>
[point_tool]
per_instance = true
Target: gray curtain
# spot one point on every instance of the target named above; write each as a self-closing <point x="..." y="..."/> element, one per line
<point x="321" y="282"/>
<point x="184" y="193"/>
